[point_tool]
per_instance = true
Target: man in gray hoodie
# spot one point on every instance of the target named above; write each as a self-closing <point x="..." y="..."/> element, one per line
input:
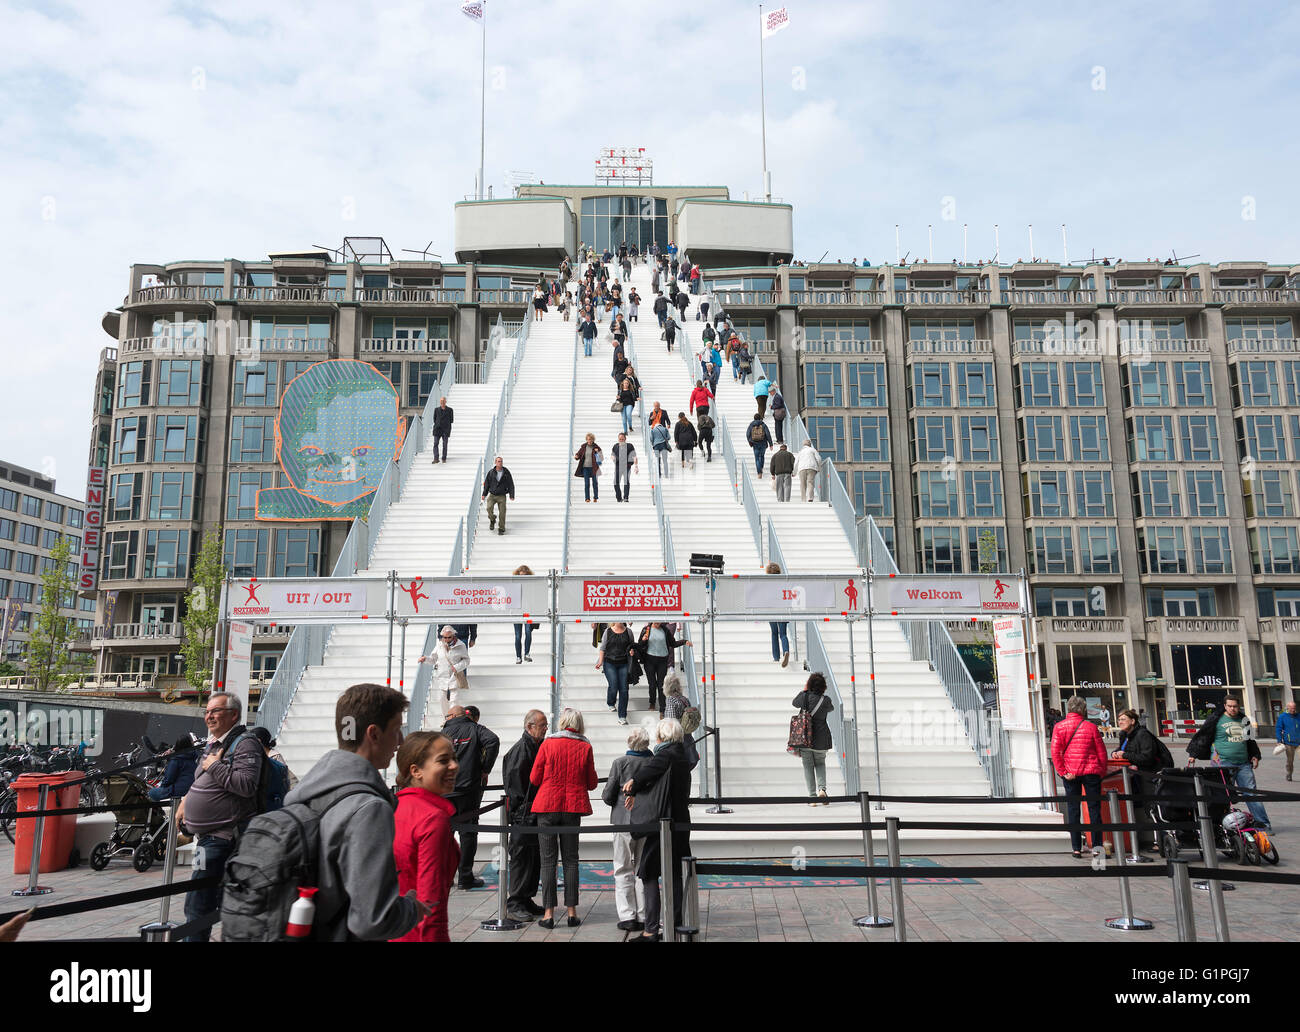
<point x="358" y="896"/>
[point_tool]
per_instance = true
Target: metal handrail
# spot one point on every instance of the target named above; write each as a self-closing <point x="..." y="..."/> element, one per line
<point x="568" y="482"/>
<point x="833" y="491"/>
<point x="750" y="501"/>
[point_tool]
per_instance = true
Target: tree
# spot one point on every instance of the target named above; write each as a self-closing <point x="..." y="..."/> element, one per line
<point x="981" y="641"/>
<point x="46" y="654"/>
<point x="203" y="610"/>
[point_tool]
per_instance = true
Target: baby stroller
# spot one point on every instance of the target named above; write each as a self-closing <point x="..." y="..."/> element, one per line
<point x="138" y="832"/>
<point x="1175" y="803"/>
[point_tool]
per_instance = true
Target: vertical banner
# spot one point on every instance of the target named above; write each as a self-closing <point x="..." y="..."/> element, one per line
<point x="1013" y="677"/>
<point x="239" y="659"/>
<point x="92" y="520"/>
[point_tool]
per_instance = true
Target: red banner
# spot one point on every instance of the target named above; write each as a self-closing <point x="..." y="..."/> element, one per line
<point x="638" y="596"/>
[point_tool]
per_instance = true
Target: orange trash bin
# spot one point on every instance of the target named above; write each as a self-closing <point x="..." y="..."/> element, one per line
<point x="1112" y="779"/>
<point x="60" y="832"/>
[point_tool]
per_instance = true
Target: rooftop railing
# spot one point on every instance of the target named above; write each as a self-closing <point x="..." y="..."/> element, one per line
<point x="406" y="345"/>
<point x="1032" y="296"/>
<point x="838" y="298"/>
<point x="949" y="347"/>
<point x="290" y="293"/>
<point x="1276" y="346"/>
<point x="943" y="297"/>
<point x="410" y="295"/>
<point x="175" y="292"/>
<point x="166" y="344"/>
<point x="1148" y="296"/>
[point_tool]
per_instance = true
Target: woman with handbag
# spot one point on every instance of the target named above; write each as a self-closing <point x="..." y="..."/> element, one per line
<point x="613" y="659"/>
<point x="627" y="401"/>
<point x="810" y="736"/>
<point x="450" y="660"/>
<point x="589" y="457"/>
<point x="685" y="437"/>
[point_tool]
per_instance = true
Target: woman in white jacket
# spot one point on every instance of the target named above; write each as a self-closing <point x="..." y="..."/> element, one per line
<point x="450" y="662"/>
<point x="807" y="464"/>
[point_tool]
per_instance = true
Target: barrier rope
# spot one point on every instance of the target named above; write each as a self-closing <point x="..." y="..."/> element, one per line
<point x="118" y="899"/>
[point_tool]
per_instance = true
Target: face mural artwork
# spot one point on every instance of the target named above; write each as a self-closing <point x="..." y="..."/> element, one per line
<point x="337" y="427"/>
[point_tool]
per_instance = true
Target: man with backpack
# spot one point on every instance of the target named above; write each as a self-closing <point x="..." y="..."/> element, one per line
<point x="476" y="753"/>
<point x="760" y="439"/>
<point x="334" y="834"/>
<point x="221" y="801"/>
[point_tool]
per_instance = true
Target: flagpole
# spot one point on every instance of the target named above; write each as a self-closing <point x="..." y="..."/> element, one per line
<point x="762" y="101"/>
<point x="482" y="109"/>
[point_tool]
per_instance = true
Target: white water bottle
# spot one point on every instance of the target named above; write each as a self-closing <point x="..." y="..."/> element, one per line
<point x="301" y="915"/>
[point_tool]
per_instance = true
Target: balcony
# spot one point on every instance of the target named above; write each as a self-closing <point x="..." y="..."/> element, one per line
<point x="949" y="298"/>
<point x="1209" y="628"/>
<point x="131" y="634"/>
<point x="503" y="297"/>
<point x="290" y="293"/>
<point x="172" y="293"/>
<point x="1057" y="298"/>
<point x="1278" y="346"/>
<point x="1147" y="348"/>
<point x="949" y="347"/>
<point x="1084" y="626"/>
<point x="410" y="295"/>
<point x="405" y="345"/>
<point x="1257" y="296"/>
<point x="725" y="299"/>
<point x="1275" y="626"/>
<point x="841" y="347"/>
<point x="166" y="345"/>
<point x="763" y="346"/>
<point x="297" y="345"/>
<point x="1148" y="296"/>
<point x="1089" y="347"/>
<point x="838" y="298"/>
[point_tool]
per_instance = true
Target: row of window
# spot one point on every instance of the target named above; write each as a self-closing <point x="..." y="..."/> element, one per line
<point x="39" y="508"/>
<point x="1057" y="550"/>
<point x="28" y="562"/>
<point x="260" y="383"/>
<point x="176" y="438"/>
<point x="31" y="534"/>
<point x="288" y="552"/>
<point x="33" y="592"/>
<point x="171" y="496"/>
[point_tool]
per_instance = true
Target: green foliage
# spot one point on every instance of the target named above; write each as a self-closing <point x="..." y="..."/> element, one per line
<point x="203" y="609"/>
<point x="47" y="654"/>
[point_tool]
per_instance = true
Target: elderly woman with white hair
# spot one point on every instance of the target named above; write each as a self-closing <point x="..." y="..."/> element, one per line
<point x="659" y="788"/>
<point x="450" y="660"/>
<point x="629" y="894"/>
<point x="564" y="773"/>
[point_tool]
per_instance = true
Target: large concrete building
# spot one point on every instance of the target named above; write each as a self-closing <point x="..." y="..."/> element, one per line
<point x="1127" y="432"/>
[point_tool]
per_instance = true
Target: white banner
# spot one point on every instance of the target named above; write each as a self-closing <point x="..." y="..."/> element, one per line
<point x="316" y="598"/>
<point x="239" y="660"/>
<point x="774" y="21"/>
<point x="459" y="598"/>
<point x="931" y="594"/>
<point x="795" y="594"/>
<point x="1013" y="676"/>
<point x="472" y="9"/>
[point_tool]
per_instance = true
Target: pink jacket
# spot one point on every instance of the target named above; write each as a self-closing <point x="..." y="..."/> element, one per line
<point x="1085" y="754"/>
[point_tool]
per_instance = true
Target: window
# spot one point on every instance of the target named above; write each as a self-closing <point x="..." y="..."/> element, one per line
<point x="1278" y="601"/>
<point x="1098" y="550"/>
<point x="171" y="496"/>
<point x="1148" y="383"/>
<point x="416" y="328"/>
<point x="827" y="434"/>
<point x="931" y="386"/>
<point x="129" y="438"/>
<point x="7" y="530"/>
<point x="1181" y="602"/>
<point x="1255" y="383"/>
<point x="822" y="385"/>
<point x="120" y="548"/>
<point x="932" y="439"/>
<point x="179" y="438"/>
<point x="1156" y="492"/>
<point x="6" y="558"/>
<point x="939" y="329"/>
<point x="1151" y="439"/>
<point x="421" y="381"/>
<point x="1088" y="438"/>
<point x="22" y="591"/>
<point x="1200" y="438"/>
<point x="252" y="438"/>
<point x="1065" y="602"/>
<point x="241" y="493"/>
<point x="392" y="372"/>
<point x="133" y="384"/>
<point x="54" y="512"/>
<point x="1258" y="328"/>
<point x="975" y="384"/>
<point x="181" y="382"/>
<point x="124" y="496"/>
<point x="1039" y="384"/>
<point x="1205" y="493"/>
<point x="28" y="533"/>
<point x="1274" y="550"/>
<point x="1092" y="494"/>
<point x="246" y="552"/>
<point x="1041" y="439"/>
<point x="1261" y="438"/>
<point x="1050" y="549"/>
<point x="1268" y="493"/>
<point x="831" y="329"/>
<point x="1083" y="384"/>
<point x="297" y="552"/>
<point x="8" y="499"/>
<point x="1193" y="383"/>
<point x="49" y="538"/>
<point x="1162" y="550"/>
<point x="166" y="553"/>
<point x="873" y="493"/>
<point x="74" y="517"/>
<point x="291" y="327"/>
<point x="1152" y="329"/>
<point x="870" y="438"/>
<point x="983" y="489"/>
<point x="1211" y="550"/>
<point x="1046" y="493"/>
<point x="935" y="493"/>
<point x="867" y="385"/>
<point x="24" y="562"/>
<point x="255" y="383"/>
<point x="32" y="506"/>
<point x="939" y="549"/>
<point x="979" y="439"/>
<point x="986" y="549"/>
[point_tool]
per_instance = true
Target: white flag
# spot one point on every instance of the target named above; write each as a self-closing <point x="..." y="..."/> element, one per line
<point x="472" y="9"/>
<point x="774" y="21"/>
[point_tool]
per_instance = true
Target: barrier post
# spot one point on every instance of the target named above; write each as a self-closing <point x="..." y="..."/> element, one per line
<point x="895" y="881"/>
<point x="691" y="895"/>
<point x="392" y="606"/>
<point x="555" y="649"/>
<point x="38" y="837"/>
<point x="1127" y="922"/>
<point x="1210" y="856"/>
<point x="1134" y="856"/>
<point x="1186" y="921"/>
<point x="667" y="904"/>
<point x="503" y="922"/>
<point x="401" y="660"/>
<point x="875" y="720"/>
<point x="717" y="807"/>
<point x="872" y="919"/>
<point x="704" y="700"/>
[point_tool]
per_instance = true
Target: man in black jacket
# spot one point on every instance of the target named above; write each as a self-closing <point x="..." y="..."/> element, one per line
<point x="660" y="307"/>
<point x="525" y="851"/>
<point x="1148" y="755"/>
<point x="442" y="417"/>
<point x="497" y="485"/>
<point x="476" y="753"/>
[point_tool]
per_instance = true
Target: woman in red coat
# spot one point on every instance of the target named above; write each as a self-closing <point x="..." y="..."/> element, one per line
<point x="426" y="853"/>
<point x="564" y="773"/>
<point x="1079" y="756"/>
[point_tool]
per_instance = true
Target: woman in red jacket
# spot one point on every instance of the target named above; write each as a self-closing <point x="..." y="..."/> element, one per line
<point x="427" y="856"/>
<point x="701" y="398"/>
<point x="564" y="773"/>
<point x="1079" y="756"/>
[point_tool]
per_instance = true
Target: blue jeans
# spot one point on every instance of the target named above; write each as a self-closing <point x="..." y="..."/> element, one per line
<point x="735" y="368"/>
<point x="586" y="345"/>
<point x="524" y="633"/>
<point x="759" y="451"/>
<point x="780" y="635"/>
<point x="616" y="692"/>
<point x="590" y="484"/>
<point x="614" y="310"/>
<point x="1244" y="776"/>
<point x="210" y="856"/>
<point x="627" y="419"/>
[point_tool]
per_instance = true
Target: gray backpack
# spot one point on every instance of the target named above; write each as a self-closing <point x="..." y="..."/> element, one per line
<point x="279" y="853"/>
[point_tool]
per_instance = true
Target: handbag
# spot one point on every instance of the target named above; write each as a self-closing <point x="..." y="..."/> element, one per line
<point x="616" y="407"/>
<point x="801" y="726"/>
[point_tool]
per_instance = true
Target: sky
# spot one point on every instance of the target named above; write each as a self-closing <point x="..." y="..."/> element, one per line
<point x="134" y="132"/>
